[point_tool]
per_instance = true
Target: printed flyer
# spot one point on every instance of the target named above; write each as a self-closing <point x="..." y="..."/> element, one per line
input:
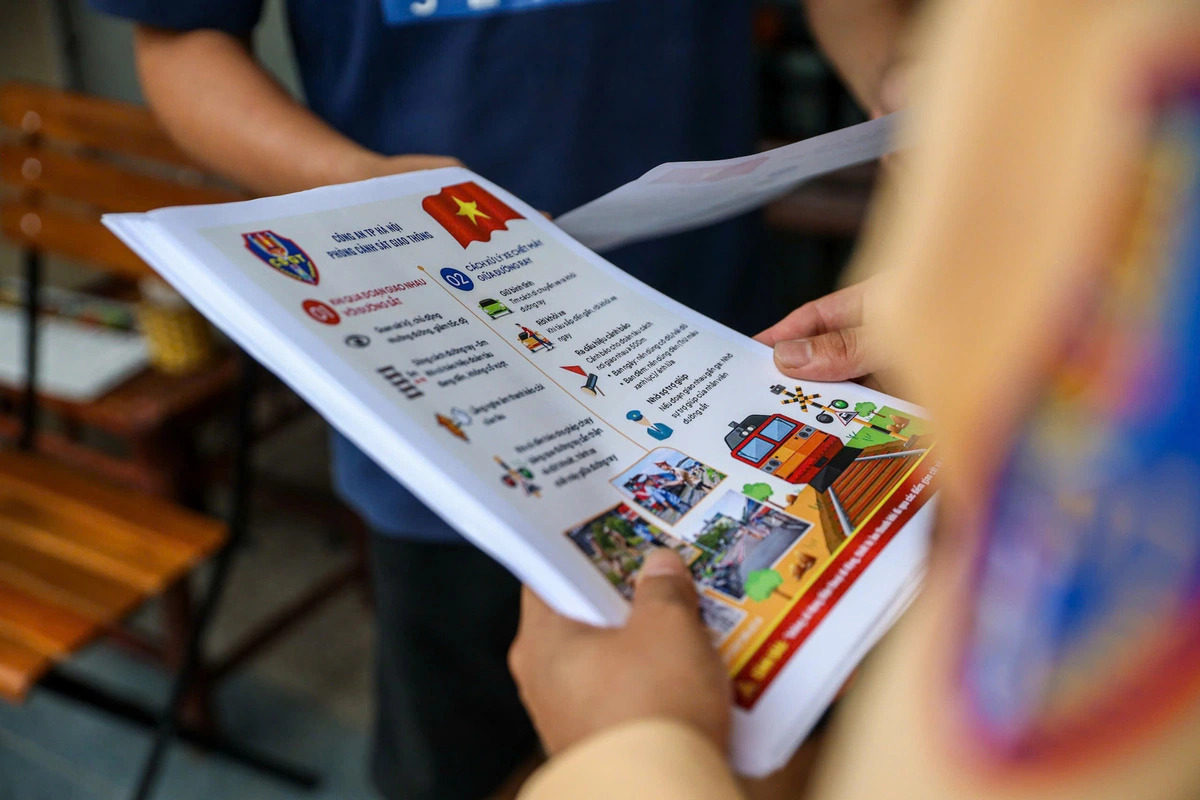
<point x="567" y="418"/>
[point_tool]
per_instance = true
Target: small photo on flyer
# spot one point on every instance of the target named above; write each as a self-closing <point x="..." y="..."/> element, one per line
<point x="668" y="484"/>
<point x="740" y="536"/>
<point x="617" y="540"/>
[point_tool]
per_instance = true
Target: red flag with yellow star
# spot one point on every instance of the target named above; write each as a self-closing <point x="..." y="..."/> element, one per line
<point x="469" y="212"/>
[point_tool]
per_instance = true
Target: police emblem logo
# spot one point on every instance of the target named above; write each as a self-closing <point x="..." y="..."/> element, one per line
<point x="283" y="255"/>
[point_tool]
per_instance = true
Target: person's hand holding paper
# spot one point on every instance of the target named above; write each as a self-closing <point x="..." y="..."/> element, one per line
<point x="577" y="680"/>
<point x="827" y="339"/>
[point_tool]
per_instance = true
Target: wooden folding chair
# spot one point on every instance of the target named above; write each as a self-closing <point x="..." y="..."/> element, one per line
<point x="79" y="554"/>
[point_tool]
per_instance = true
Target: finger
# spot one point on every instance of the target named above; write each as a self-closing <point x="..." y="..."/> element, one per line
<point x="664" y="580"/>
<point x="872" y="382"/>
<point x="849" y="684"/>
<point x="837" y="356"/>
<point x="842" y="309"/>
<point x="541" y="633"/>
<point x="894" y="89"/>
<point x="538" y="618"/>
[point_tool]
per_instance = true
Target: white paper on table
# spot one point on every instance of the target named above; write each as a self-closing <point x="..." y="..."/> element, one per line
<point x="683" y="195"/>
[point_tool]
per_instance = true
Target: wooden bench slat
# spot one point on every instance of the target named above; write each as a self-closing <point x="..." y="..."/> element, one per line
<point x="106" y="186"/>
<point x="20" y="668"/>
<point x="73" y="236"/>
<point x="145" y="568"/>
<point x="46" y="627"/>
<point x="89" y="121"/>
<point x="98" y="597"/>
<point x="43" y="482"/>
<point x="156" y="548"/>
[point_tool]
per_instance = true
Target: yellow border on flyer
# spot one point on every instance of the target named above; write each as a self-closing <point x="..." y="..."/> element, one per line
<point x="752" y="649"/>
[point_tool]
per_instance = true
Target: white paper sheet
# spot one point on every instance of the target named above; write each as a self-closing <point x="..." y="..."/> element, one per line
<point x="76" y="361"/>
<point x="683" y="195"/>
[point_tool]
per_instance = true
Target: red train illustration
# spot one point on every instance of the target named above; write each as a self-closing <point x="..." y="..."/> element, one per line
<point x="789" y="450"/>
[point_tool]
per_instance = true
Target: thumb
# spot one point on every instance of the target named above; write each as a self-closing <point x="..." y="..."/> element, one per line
<point x="835" y="356"/>
<point x="893" y="89"/>
<point x="664" y="580"/>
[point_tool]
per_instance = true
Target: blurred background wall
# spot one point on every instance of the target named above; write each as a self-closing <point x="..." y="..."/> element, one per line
<point x="64" y="43"/>
<point x="27" y="52"/>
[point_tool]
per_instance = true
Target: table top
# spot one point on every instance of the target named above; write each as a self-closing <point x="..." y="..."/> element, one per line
<point x="149" y="400"/>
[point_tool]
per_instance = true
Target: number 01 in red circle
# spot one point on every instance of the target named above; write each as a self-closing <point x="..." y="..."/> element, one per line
<point x="321" y="312"/>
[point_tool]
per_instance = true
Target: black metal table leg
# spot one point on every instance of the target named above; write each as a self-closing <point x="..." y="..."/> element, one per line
<point x="92" y="696"/>
<point x="168" y="722"/>
<point x="29" y="405"/>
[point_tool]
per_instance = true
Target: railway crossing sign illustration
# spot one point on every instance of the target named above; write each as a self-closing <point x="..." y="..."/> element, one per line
<point x="841" y="411"/>
<point x="796" y="396"/>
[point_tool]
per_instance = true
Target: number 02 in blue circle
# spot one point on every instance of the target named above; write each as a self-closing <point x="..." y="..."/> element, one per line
<point x="458" y="279"/>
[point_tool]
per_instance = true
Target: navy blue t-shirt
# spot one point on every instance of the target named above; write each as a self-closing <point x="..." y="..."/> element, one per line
<point x="558" y="101"/>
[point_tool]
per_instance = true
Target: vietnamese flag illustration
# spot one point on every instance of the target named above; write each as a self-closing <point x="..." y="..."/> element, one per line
<point x="469" y="212"/>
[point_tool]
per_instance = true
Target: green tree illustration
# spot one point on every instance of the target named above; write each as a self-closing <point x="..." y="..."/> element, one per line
<point x="762" y="583"/>
<point x="758" y="491"/>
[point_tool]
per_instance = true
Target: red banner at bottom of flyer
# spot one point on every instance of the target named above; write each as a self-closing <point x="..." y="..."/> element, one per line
<point x="812" y="607"/>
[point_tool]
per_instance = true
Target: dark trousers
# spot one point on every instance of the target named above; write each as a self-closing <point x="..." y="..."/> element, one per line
<point x="449" y="724"/>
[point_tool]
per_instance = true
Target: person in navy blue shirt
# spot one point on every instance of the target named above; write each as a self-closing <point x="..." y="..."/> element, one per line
<point x="558" y="101"/>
